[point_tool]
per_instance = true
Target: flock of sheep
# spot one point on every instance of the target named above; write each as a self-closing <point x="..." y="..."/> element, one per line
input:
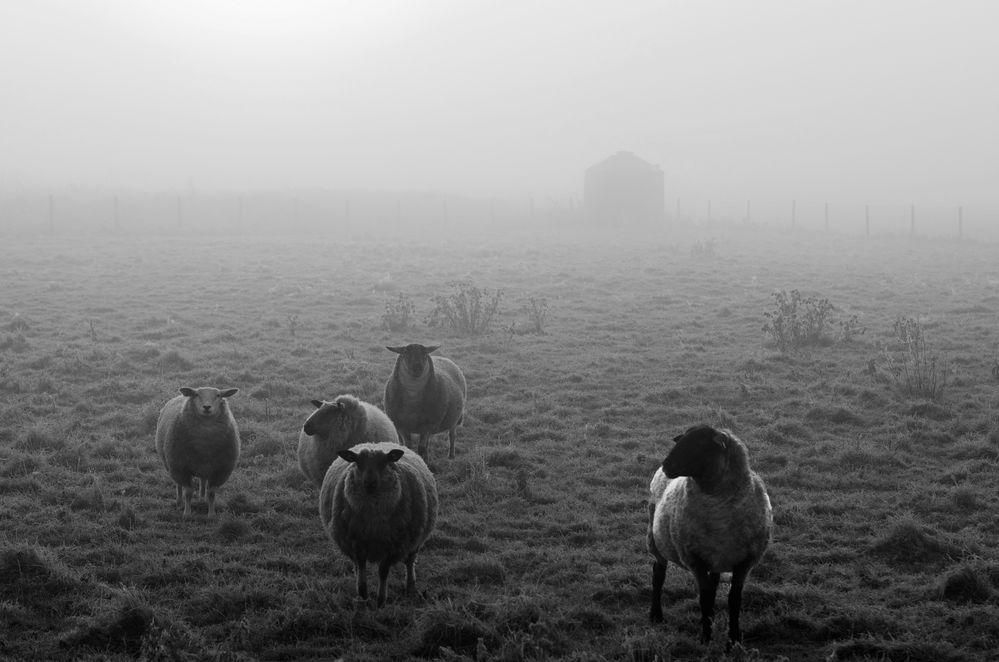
<point x="708" y="511"/>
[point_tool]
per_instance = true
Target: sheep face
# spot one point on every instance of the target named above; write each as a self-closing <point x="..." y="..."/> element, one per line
<point x="207" y="401"/>
<point x="414" y="359"/>
<point x="372" y="471"/>
<point x="699" y="453"/>
<point x="337" y="416"/>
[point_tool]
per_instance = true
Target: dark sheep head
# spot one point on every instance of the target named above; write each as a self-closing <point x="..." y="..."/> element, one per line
<point x="415" y="358"/>
<point x="336" y="415"/>
<point x="207" y="401"/>
<point x="372" y="468"/>
<point x="700" y="453"/>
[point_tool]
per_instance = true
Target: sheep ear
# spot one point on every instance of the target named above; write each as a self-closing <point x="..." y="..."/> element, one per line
<point x="397" y="350"/>
<point x="678" y="437"/>
<point x="316" y="403"/>
<point x="188" y="391"/>
<point x="348" y="455"/>
<point x="229" y="392"/>
<point x="394" y="454"/>
<point x="432" y="348"/>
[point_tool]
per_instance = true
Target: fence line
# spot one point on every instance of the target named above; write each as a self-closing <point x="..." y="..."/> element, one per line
<point x="220" y="213"/>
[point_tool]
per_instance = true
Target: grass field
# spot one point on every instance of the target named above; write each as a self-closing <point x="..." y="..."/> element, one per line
<point x="885" y="501"/>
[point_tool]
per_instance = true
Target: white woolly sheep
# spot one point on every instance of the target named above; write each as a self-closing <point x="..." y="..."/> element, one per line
<point x="197" y="437"/>
<point x="378" y="503"/>
<point x="708" y="513"/>
<point x="425" y="395"/>
<point x="338" y="425"/>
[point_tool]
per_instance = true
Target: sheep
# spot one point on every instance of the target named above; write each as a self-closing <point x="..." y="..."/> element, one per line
<point x="337" y="425"/>
<point x="709" y="513"/>
<point x="378" y="503"/>
<point x="197" y="437"/>
<point x="425" y="395"/>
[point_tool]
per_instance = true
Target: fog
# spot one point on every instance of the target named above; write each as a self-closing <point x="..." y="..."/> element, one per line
<point x="890" y="102"/>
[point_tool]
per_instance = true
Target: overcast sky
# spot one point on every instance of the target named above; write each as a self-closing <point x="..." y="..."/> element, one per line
<point x="875" y="100"/>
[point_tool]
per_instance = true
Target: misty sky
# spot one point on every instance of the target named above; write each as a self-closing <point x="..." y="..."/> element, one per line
<point x="875" y="100"/>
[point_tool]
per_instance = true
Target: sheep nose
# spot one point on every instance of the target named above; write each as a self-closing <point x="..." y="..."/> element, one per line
<point x="207" y="408"/>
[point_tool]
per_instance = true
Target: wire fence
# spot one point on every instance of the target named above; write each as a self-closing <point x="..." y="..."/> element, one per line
<point x="256" y="212"/>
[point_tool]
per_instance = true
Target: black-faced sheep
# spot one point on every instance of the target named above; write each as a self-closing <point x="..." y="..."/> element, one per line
<point x="425" y="395"/>
<point x="708" y="513"/>
<point x="197" y="437"/>
<point x="338" y="425"/>
<point x="378" y="503"/>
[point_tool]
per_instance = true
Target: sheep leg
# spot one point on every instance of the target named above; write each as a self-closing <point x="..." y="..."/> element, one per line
<point x="411" y="574"/>
<point x="739" y="574"/>
<point x="208" y="493"/>
<point x="360" y="569"/>
<point x="707" y="586"/>
<point x="424" y="446"/>
<point x="188" y="493"/>
<point x="383" y="573"/>
<point x="658" y="577"/>
<point x="450" y="437"/>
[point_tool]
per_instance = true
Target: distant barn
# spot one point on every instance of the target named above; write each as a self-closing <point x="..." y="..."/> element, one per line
<point x="624" y="189"/>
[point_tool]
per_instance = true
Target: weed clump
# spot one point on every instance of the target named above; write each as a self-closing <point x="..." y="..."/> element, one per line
<point x="915" y="370"/>
<point x="908" y="543"/>
<point x="468" y="310"/>
<point x="797" y="321"/>
<point x="965" y="585"/>
<point x="536" y="310"/>
<point x="398" y="313"/>
<point x="459" y="633"/>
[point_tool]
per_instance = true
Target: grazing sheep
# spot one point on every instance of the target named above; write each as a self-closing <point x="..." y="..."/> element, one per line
<point x="378" y="503"/>
<point x="197" y="437"/>
<point x="425" y="395"/>
<point x="338" y="425"/>
<point x="708" y="513"/>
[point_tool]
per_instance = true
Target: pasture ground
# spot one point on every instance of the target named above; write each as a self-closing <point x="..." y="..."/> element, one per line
<point x="885" y="503"/>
